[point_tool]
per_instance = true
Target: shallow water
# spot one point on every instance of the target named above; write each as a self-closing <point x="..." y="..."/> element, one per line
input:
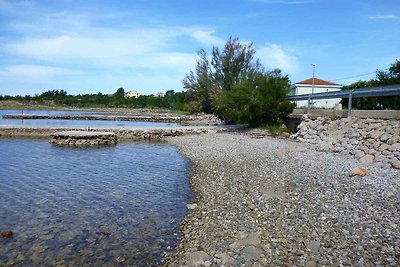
<point x="74" y="123"/>
<point x="58" y="201"/>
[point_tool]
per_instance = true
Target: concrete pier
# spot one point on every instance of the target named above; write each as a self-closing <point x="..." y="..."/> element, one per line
<point x="83" y="138"/>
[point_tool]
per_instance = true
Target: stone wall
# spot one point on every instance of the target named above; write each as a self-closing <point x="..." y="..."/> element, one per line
<point x="367" y="139"/>
<point x="121" y="133"/>
<point x="94" y="141"/>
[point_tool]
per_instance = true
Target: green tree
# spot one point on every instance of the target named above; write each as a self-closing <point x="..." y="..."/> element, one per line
<point x="233" y="64"/>
<point x="199" y="86"/>
<point x="382" y="78"/>
<point x="260" y="101"/>
<point x="120" y="92"/>
<point x="235" y="86"/>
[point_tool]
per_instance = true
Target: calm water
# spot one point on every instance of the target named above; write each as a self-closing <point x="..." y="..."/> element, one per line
<point x="58" y="201"/>
<point x="74" y="123"/>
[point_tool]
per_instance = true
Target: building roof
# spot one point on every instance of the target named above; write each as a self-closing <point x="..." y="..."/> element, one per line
<point x="317" y="82"/>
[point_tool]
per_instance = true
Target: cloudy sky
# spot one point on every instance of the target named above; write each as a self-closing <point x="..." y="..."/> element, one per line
<point x="148" y="45"/>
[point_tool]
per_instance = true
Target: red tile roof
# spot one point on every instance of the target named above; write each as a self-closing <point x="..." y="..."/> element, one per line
<point x="317" y="82"/>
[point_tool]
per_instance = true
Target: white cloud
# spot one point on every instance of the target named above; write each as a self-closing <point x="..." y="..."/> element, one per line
<point x="133" y="50"/>
<point x="47" y="45"/>
<point x="274" y="56"/>
<point x="385" y="17"/>
<point x="207" y="38"/>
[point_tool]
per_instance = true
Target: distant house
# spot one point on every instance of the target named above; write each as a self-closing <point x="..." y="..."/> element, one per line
<point x="320" y="86"/>
<point x="130" y="94"/>
<point x="159" y="94"/>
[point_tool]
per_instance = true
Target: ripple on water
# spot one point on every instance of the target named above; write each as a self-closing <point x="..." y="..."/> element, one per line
<point x="58" y="201"/>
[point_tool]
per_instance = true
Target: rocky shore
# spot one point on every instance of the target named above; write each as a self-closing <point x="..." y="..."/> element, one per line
<point x="83" y="138"/>
<point x="137" y="134"/>
<point x="367" y="139"/>
<point x="274" y="202"/>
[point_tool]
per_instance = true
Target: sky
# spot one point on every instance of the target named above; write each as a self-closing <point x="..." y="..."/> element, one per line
<point x="148" y="45"/>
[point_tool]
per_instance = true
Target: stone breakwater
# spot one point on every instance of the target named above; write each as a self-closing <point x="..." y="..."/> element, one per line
<point x="99" y="117"/>
<point x="83" y="138"/>
<point x="205" y="118"/>
<point x="367" y="139"/>
<point x="121" y="133"/>
<point x="274" y="202"/>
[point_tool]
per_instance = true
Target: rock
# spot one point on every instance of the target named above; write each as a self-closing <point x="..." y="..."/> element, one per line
<point x="105" y="232"/>
<point x="373" y="126"/>
<point x="394" y="147"/>
<point x="384" y="137"/>
<point x="196" y="258"/>
<point x="6" y="234"/>
<point x="120" y="259"/>
<point x="192" y="206"/>
<point x="252" y="238"/>
<point x="391" y="141"/>
<point x="312" y="245"/>
<point x="396" y="164"/>
<point x="383" y="147"/>
<point x="311" y="263"/>
<point x="366" y="159"/>
<point x="358" y="172"/>
<point x="226" y="259"/>
<point x="359" y="154"/>
<point x="251" y="253"/>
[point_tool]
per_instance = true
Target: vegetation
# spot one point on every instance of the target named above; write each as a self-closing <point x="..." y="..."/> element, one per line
<point x="171" y="100"/>
<point x="235" y="86"/>
<point x="390" y="77"/>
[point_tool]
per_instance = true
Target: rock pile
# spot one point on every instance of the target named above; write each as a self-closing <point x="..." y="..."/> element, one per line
<point x="83" y="138"/>
<point x="123" y="133"/>
<point x="367" y="139"/>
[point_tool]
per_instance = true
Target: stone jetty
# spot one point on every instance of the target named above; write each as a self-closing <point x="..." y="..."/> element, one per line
<point x="126" y="133"/>
<point x="83" y="138"/>
<point x="174" y="119"/>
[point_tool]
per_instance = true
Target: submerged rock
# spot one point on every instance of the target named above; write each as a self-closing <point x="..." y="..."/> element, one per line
<point x="191" y="206"/>
<point x="6" y="234"/>
<point x="105" y="232"/>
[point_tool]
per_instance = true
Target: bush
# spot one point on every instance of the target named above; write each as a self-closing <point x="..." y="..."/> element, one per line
<point x="256" y="102"/>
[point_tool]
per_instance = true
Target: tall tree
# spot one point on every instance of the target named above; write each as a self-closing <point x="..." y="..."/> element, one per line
<point x="235" y="86"/>
<point x="199" y="85"/>
<point x="233" y="64"/>
<point x="120" y="92"/>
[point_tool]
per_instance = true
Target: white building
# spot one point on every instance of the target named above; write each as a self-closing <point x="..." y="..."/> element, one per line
<point x="320" y="86"/>
<point x="159" y="94"/>
<point x="130" y="94"/>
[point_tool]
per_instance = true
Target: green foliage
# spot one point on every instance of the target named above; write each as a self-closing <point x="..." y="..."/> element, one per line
<point x="235" y="86"/>
<point x="172" y="100"/>
<point x="275" y="129"/>
<point x="199" y="86"/>
<point x="257" y="102"/>
<point x="382" y="78"/>
<point x="120" y="93"/>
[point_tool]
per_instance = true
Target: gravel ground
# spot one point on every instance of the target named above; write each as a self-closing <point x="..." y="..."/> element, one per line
<point x="274" y="202"/>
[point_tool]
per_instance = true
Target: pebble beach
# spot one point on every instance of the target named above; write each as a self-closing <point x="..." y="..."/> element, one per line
<point x="263" y="201"/>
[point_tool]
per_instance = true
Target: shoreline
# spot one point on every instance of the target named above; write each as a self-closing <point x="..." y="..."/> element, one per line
<point x="124" y="133"/>
<point x="275" y="202"/>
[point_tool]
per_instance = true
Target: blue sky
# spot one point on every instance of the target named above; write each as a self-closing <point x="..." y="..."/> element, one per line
<point x="149" y="45"/>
